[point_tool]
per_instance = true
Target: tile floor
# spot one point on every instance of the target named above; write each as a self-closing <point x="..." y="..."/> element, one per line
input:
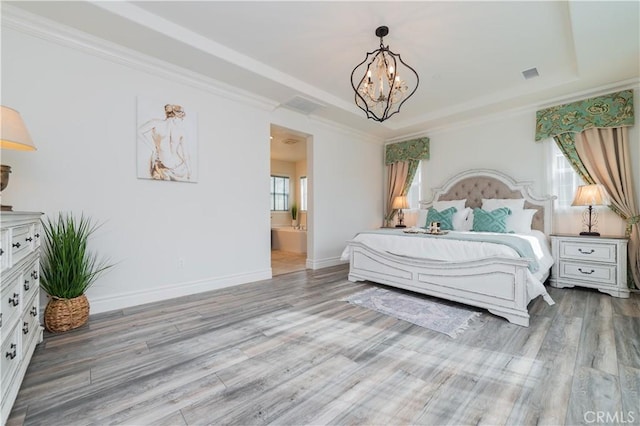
<point x="283" y="262"/>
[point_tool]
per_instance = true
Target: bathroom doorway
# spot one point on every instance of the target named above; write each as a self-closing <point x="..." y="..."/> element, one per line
<point x="289" y="200"/>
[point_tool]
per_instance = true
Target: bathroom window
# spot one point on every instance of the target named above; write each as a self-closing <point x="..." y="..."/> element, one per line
<point x="303" y="193"/>
<point x="279" y="193"/>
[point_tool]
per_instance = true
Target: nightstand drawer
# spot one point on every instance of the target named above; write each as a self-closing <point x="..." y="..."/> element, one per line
<point x="601" y="274"/>
<point x="598" y="252"/>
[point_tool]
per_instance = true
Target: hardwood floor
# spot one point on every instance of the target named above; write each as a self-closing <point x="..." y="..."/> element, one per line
<point x="289" y="351"/>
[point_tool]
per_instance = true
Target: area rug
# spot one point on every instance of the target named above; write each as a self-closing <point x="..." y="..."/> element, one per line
<point x="437" y="315"/>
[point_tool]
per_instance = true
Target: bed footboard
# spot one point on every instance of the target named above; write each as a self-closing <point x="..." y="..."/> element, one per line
<point x="495" y="284"/>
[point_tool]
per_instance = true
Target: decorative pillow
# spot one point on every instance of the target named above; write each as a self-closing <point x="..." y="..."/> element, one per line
<point x="519" y="221"/>
<point x="445" y="217"/>
<point x="490" y="221"/>
<point x="461" y="220"/>
<point x="513" y="204"/>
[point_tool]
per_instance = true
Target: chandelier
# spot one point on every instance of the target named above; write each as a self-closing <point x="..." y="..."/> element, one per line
<point x="380" y="90"/>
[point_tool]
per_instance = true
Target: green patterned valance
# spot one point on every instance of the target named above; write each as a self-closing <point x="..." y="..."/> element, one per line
<point x="612" y="110"/>
<point x="415" y="149"/>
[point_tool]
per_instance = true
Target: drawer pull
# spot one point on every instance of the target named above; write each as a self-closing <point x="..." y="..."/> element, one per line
<point x="28" y="239"/>
<point x="34" y="275"/>
<point x="586" y="252"/>
<point x="15" y="300"/>
<point x="1" y="252"/>
<point x="0" y="319"/>
<point x="25" y="328"/>
<point x="12" y="354"/>
<point x="16" y="245"/>
<point x="34" y="311"/>
<point x="585" y="272"/>
<point x="26" y="285"/>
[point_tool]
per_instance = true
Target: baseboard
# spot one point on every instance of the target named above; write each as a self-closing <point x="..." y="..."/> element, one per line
<point x="324" y="263"/>
<point x="126" y="300"/>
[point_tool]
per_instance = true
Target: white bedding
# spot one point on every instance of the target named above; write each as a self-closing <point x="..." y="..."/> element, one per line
<point x="398" y="243"/>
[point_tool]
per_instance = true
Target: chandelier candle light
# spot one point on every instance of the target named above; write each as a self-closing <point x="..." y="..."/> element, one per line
<point x="591" y="195"/>
<point x="380" y="90"/>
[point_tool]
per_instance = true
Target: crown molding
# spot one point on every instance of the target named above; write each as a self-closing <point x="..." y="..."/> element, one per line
<point x="54" y="32"/>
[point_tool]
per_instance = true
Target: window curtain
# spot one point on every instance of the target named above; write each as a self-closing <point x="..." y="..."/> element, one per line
<point x="592" y="134"/>
<point x="402" y="160"/>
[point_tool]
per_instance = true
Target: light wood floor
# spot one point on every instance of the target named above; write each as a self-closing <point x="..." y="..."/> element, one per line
<point x="289" y="351"/>
<point x="283" y="262"/>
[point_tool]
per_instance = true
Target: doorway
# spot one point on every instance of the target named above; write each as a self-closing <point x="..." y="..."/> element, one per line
<point x="289" y="189"/>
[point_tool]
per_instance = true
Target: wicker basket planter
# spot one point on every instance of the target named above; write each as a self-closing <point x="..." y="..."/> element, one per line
<point x="66" y="314"/>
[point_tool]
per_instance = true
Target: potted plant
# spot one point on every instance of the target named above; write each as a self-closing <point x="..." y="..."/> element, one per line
<point x="67" y="270"/>
<point x="294" y="215"/>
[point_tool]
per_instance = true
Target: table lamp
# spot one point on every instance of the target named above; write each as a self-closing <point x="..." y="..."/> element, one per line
<point x="14" y="136"/>
<point x="591" y="195"/>
<point x="400" y="203"/>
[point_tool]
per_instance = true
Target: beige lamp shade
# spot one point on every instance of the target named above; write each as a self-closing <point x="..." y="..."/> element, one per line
<point x="400" y="203"/>
<point x="14" y="132"/>
<point x="591" y="195"/>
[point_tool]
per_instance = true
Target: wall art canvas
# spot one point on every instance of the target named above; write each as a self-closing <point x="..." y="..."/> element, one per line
<point x="167" y="143"/>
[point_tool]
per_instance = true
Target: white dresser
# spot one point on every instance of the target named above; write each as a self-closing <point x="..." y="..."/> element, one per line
<point x="586" y="261"/>
<point x="20" y="330"/>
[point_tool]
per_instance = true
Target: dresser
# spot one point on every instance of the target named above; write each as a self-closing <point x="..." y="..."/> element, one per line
<point x="587" y="261"/>
<point x="20" y="330"/>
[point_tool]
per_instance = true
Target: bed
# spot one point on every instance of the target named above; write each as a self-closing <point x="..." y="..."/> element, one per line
<point x="490" y="274"/>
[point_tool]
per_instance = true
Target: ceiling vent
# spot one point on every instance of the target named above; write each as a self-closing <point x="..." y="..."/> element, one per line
<point x="530" y="73"/>
<point x="303" y="105"/>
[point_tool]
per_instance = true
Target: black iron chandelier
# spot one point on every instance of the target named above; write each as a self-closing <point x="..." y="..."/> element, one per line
<point x="380" y="91"/>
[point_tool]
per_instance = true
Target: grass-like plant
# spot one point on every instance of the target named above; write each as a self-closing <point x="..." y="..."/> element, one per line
<point x="294" y="211"/>
<point x="67" y="268"/>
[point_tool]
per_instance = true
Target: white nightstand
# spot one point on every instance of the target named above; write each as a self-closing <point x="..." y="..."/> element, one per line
<point x="586" y="261"/>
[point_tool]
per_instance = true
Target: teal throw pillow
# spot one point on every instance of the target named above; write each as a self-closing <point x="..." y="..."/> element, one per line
<point x="445" y="217"/>
<point x="490" y="221"/>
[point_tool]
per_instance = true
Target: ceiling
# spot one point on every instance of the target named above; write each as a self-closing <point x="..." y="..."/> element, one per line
<point x="469" y="55"/>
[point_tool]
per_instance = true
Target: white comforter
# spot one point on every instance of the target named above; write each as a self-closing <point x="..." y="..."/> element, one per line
<point x="458" y="250"/>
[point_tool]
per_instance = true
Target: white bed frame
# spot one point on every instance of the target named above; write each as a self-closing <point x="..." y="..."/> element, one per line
<point x="496" y="284"/>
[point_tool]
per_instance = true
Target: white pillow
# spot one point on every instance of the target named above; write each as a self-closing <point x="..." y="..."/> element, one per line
<point x="460" y="220"/>
<point x="443" y="205"/>
<point x="519" y="221"/>
<point x="513" y="204"/>
<point x="421" y="222"/>
<point x="460" y="217"/>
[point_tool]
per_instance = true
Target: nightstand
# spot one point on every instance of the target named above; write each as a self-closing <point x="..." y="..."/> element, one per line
<point x="587" y="261"/>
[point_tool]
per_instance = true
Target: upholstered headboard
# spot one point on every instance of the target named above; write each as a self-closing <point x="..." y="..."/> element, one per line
<point x="474" y="185"/>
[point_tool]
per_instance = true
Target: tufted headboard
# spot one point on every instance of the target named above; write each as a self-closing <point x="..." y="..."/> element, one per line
<point x="474" y="185"/>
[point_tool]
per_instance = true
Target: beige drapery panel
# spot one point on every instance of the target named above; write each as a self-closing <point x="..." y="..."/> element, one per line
<point x="605" y="156"/>
<point x="402" y="160"/>
<point x="397" y="174"/>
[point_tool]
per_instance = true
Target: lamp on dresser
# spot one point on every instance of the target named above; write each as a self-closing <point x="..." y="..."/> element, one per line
<point x="14" y="136"/>
<point x="591" y="195"/>
<point x="400" y="203"/>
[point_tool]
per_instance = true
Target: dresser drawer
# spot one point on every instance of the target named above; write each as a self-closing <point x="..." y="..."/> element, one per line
<point x="21" y="242"/>
<point x="11" y="302"/>
<point x="10" y="358"/>
<point x="598" y="252"/>
<point x="600" y="274"/>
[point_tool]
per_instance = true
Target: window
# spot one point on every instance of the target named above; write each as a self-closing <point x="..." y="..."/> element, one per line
<point x="279" y="193"/>
<point x="563" y="179"/>
<point x="303" y="193"/>
<point x="413" y="195"/>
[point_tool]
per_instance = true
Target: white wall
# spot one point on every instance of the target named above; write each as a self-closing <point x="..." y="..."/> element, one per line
<point x="167" y="238"/>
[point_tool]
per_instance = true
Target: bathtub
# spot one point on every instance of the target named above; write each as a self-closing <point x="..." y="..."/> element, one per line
<point x="287" y="238"/>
